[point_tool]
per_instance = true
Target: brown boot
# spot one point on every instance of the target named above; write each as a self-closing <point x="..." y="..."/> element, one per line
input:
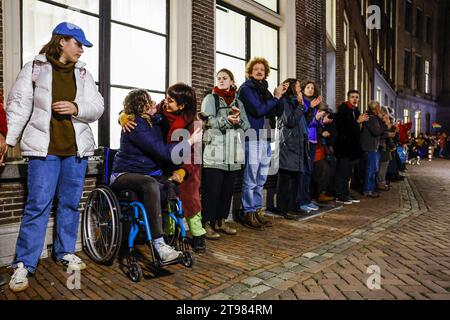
<point x="262" y="219"/>
<point x="222" y="226"/>
<point x="210" y="233"/>
<point x="251" y="221"/>
<point x="323" y="198"/>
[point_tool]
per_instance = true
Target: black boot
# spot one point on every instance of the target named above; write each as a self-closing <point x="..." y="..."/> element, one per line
<point x="198" y="244"/>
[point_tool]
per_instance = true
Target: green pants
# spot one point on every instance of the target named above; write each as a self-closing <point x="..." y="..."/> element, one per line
<point x="194" y="223"/>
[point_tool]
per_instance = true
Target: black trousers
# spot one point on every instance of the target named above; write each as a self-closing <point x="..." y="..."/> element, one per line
<point x="287" y="190"/>
<point x="217" y="191"/>
<point x="344" y="171"/>
<point x="148" y="191"/>
<point x="322" y="175"/>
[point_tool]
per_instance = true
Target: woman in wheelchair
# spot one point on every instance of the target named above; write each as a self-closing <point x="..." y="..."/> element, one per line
<point x="137" y="165"/>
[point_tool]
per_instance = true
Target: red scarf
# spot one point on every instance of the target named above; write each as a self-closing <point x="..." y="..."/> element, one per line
<point x="350" y="105"/>
<point x="175" y="122"/>
<point x="227" y="95"/>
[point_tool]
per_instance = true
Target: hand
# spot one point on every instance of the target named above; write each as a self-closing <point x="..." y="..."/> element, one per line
<point x="363" y="118"/>
<point x="175" y="177"/>
<point x="235" y="120"/>
<point x="320" y="115"/>
<point x="65" y="108"/>
<point x="300" y="97"/>
<point x="196" y="137"/>
<point x="3" y="149"/>
<point x="129" y="126"/>
<point x="327" y="119"/>
<point x="235" y="111"/>
<point x="316" y="102"/>
<point x="281" y="89"/>
<point x="326" y="134"/>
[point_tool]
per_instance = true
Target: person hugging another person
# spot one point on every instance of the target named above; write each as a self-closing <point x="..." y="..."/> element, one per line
<point x="222" y="156"/>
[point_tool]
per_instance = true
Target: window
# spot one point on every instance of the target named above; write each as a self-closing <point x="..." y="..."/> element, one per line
<point x="271" y="4"/>
<point x="427" y="77"/>
<point x="408" y="16"/>
<point x="331" y="20"/>
<point x="418" y="74"/>
<point x="355" y="64"/>
<point x="407" y="69"/>
<point x="406" y="116"/>
<point x="347" y="53"/>
<point x="240" y="38"/>
<point x="378" y="47"/>
<point x="391" y="20"/>
<point x="379" y="93"/>
<point x="429" y="30"/>
<point x="386" y="100"/>
<point x="417" y="126"/>
<point x="419" y="24"/>
<point x="135" y="46"/>
<point x="361" y="84"/>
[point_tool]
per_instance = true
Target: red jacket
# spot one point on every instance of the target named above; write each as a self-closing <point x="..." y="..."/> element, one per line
<point x="403" y="132"/>
<point x="3" y="126"/>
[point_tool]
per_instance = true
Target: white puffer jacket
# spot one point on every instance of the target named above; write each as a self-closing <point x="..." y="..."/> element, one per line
<point x="36" y="133"/>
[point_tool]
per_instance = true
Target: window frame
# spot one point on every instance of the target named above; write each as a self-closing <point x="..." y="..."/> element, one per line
<point x="248" y="17"/>
<point x="104" y="64"/>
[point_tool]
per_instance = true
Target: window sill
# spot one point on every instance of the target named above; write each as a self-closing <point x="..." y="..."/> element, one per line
<point x="17" y="170"/>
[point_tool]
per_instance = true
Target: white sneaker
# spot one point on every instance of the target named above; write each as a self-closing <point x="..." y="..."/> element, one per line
<point x="72" y="262"/>
<point x="19" y="280"/>
<point x="167" y="253"/>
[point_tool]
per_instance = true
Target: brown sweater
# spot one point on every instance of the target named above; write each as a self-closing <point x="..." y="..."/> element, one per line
<point x="62" y="134"/>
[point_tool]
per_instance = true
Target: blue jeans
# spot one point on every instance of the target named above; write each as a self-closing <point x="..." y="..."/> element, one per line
<point x="48" y="176"/>
<point x="256" y="169"/>
<point x="372" y="167"/>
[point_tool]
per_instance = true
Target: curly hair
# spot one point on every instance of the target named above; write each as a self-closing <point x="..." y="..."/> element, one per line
<point x="290" y="92"/>
<point x="253" y="62"/>
<point x="136" y="102"/>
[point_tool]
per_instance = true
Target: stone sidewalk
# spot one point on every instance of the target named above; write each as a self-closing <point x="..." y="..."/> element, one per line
<point x="321" y="258"/>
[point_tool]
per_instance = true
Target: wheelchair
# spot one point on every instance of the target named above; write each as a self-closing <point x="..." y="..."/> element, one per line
<point x="105" y="215"/>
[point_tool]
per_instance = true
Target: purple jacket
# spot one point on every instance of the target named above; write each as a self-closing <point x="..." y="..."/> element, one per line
<point x="314" y="124"/>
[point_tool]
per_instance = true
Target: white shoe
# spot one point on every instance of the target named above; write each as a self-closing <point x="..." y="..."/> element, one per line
<point x="72" y="262"/>
<point x="19" y="280"/>
<point x="167" y="253"/>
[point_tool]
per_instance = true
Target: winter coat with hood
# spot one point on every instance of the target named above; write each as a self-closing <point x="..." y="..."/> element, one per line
<point x="29" y="109"/>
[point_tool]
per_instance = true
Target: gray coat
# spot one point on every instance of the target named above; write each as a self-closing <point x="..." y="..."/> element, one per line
<point x="224" y="148"/>
<point x="293" y="137"/>
<point x="372" y="132"/>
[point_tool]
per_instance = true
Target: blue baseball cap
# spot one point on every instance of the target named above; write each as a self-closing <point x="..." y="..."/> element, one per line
<point x="71" y="30"/>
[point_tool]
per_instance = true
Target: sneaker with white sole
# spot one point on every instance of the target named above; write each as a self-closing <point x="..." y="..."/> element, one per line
<point x="168" y="253"/>
<point x="313" y="207"/>
<point x="19" y="280"/>
<point x="72" y="262"/>
<point x="306" y="208"/>
<point x="353" y="200"/>
<point x="343" y="201"/>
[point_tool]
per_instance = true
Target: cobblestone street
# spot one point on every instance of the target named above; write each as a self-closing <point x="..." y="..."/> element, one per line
<point x="406" y="233"/>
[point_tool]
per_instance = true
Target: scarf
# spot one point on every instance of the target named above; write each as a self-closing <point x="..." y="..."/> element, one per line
<point x="176" y="121"/>
<point x="350" y="105"/>
<point x="227" y="95"/>
<point x="262" y="88"/>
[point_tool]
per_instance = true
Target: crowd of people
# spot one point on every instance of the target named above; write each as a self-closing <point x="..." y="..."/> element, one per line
<point x="321" y="153"/>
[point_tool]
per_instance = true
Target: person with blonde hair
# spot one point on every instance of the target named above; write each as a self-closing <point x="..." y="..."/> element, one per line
<point x="372" y="131"/>
<point x="261" y="108"/>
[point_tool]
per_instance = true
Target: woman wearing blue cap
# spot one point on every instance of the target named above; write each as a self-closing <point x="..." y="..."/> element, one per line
<point x="49" y="110"/>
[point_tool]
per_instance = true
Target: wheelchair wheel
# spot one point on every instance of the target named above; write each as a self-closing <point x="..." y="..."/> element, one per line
<point x="188" y="259"/>
<point x="102" y="229"/>
<point x="135" y="271"/>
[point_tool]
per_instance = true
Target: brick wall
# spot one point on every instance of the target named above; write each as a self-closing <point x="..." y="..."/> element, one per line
<point x="13" y="198"/>
<point x="311" y="31"/>
<point x="202" y="46"/>
<point x="1" y="46"/>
